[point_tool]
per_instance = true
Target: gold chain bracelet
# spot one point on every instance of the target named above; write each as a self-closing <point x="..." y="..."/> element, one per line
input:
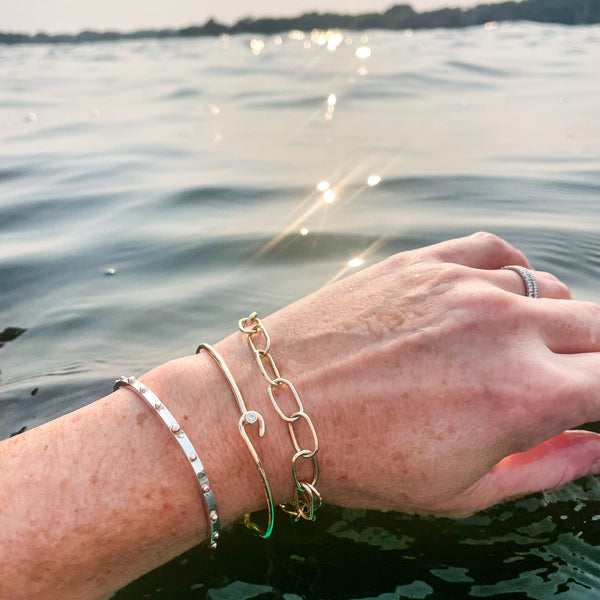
<point x="307" y="500"/>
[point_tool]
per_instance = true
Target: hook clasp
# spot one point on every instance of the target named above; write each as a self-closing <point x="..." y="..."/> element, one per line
<point x="251" y="417"/>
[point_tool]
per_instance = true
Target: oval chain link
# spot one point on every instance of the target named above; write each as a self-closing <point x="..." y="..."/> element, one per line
<point x="260" y="354"/>
<point x="278" y="383"/>
<point x="305" y="454"/>
<point x="307" y="500"/>
<point x="312" y="430"/>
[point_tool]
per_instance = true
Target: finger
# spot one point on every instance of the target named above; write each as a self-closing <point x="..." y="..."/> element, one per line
<point x="569" y="327"/>
<point x="568" y="456"/>
<point x="549" y="286"/>
<point x="481" y="250"/>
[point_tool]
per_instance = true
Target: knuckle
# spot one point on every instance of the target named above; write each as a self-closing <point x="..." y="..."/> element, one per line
<point x="501" y="248"/>
<point x="486" y="236"/>
<point x="450" y="273"/>
<point x="395" y="261"/>
<point x="444" y="278"/>
<point x="453" y="272"/>
<point x="492" y="241"/>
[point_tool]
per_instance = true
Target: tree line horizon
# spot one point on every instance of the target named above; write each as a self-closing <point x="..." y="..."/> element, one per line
<point x="398" y="17"/>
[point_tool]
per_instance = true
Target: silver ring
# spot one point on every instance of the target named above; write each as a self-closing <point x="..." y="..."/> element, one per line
<point x="528" y="279"/>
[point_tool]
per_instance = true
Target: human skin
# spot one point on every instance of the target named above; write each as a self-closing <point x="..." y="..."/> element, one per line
<point x="435" y="387"/>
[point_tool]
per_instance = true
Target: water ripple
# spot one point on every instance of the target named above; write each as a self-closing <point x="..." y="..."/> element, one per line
<point x="151" y="192"/>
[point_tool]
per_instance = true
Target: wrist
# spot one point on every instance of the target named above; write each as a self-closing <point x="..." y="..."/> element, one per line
<point x="199" y="390"/>
<point x="275" y="386"/>
<point x="272" y="447"/>
<point x="197" y="393"/>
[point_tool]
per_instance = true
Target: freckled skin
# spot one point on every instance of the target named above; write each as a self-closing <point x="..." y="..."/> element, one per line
<point x="453" y="367"/>
<point x="434" y="386"/>
<point x="141" y="418"/>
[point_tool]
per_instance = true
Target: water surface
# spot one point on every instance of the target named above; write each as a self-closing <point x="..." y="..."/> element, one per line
<point x="153" y="192"/>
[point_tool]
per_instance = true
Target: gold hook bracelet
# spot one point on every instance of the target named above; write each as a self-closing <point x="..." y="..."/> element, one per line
<point x="248" y="417"/>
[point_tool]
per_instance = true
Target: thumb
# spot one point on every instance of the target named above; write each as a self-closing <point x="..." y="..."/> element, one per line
<point x="568" y="456"/>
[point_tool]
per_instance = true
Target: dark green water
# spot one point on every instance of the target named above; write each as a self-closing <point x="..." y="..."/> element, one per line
<point x="190" y="168"/>
<point x="544" y="546"/>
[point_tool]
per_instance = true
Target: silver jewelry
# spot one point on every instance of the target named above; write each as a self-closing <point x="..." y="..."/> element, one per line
<point x="528" y="279"/>
<point x="214" y="525"/>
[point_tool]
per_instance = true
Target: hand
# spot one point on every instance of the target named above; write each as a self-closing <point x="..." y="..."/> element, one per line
<point x="435" y="385"/>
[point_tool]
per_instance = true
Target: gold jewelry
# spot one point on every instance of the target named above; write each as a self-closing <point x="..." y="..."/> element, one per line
<point x="307" y="500"/>
<point x="250" y="417"/>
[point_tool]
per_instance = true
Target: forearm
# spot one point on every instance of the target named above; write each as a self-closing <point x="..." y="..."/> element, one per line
<point x="433" y="384"/>
<point x="92" y="500"/>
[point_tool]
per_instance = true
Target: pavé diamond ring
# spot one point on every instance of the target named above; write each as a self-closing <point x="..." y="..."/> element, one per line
<point x="528" y="279"/>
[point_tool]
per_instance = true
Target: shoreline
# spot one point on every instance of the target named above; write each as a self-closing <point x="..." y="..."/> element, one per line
<point x="398" y="17"/>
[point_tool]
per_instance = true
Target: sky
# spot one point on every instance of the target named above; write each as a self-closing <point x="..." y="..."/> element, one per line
<point x="71" y="16"/>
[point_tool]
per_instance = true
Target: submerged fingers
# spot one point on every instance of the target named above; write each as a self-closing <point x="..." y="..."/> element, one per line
<point x="567" y="456"/>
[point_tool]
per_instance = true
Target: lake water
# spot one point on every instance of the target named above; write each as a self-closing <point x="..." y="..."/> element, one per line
<point x="153" y="192"/>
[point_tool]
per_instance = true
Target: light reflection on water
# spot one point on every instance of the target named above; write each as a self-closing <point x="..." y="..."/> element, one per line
<point x="164" y="188"/>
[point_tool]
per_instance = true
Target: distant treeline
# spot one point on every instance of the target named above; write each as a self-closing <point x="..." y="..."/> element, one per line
<point x="401" y="16"/>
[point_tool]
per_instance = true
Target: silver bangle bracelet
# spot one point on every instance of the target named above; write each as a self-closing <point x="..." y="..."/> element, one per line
<point x="184" y="442"/>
